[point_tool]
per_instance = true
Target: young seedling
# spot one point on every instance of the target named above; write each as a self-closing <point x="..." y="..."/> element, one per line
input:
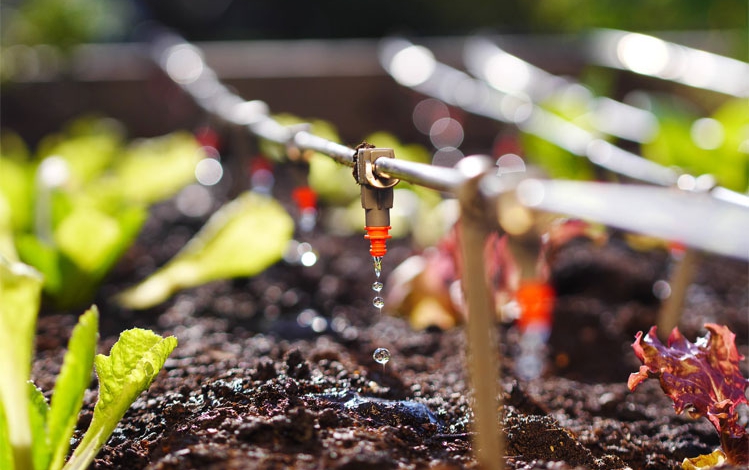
<point x="702" y="378"/>
<point x="35" y="434"/>
<point x="75" y="209"/>
<point x="242" y="238"/>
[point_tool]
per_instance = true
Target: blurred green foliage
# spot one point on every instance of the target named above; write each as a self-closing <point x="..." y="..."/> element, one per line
<point x="718" y="144"/>
<point x="63" y="24"/>
<point x="74" y="208"/>
<point x="243" y="238"/>
<point x="69" y="22"/>
<point x="647" y="15"/>
<point x="556" y="161"/>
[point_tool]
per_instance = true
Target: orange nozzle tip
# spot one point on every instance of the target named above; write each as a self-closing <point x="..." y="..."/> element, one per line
<point x="305" y="197"/>
<point x="536" y="301"/>
<point x="377" y="237"/>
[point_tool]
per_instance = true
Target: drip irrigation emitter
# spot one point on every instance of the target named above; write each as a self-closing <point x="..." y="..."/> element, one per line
<point x="376" y="198"/>
<point x="717" y="222"/>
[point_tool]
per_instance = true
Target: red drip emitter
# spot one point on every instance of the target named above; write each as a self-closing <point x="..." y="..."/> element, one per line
<point x="377" y="237"/>
<point x="536" y="300"/>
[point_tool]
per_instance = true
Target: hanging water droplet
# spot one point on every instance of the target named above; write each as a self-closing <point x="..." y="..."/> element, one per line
<point x="381" y="356"/>
<point x="377" y="286"/>
<point x="378" y="302"/>
<point x="377" y="261"/>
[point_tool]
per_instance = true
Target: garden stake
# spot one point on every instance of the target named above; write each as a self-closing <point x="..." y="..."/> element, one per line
<point x="488" y="445"/>
<point x="681" y="277"/>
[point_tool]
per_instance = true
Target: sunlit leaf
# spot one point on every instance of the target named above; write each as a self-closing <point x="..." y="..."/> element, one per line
<point x="71" y="384"/>
<point x="20" y="286"/>
<point x="132" y="365"/>
<point x="242" y="238"/>
<point x="6" y="450"/>
<point x="38" y="412"/>
<point x="155" y="169"/>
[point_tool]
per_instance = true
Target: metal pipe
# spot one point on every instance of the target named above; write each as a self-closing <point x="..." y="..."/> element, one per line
<point x="695" y="219"/>
<point x="510" y="74"/>
<point x="459" y="89"/>
<point x="185" y="65"/>
<point x="430" y="176"/>
<point x="336" y="151"/>
<point x="648" y="55"/>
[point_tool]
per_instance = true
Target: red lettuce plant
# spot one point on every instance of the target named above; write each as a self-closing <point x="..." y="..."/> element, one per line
<point x="702" y="378"/>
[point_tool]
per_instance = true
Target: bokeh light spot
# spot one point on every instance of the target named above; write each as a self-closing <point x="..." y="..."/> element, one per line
<point x="643" y="54"/>
<point x="412" y="66"/>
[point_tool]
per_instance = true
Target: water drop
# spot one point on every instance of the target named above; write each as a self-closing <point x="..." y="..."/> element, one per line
<point x="377" y="265"/>
<point x="381" y="356"/>
<point x="378" y="302"/>
<point x="377" y="286"/>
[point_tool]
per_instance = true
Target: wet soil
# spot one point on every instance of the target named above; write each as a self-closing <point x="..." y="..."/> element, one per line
<point x="277" y="371"/>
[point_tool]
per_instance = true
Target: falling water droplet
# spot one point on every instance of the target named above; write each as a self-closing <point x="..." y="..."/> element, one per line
<point x="381" y="356"/>
<point x="377" y="265"/>
<point x="377" y="286"/>
<point x="378" y="302"/>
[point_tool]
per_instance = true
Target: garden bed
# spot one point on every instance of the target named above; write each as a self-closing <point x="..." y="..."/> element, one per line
<point x="254" y="384"/>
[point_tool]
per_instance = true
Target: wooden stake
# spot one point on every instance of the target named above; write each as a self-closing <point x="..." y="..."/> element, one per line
<point x="488" y="445"/>
<point x="681" y="277"/>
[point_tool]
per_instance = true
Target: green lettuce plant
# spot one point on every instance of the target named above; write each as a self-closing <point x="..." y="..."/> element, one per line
<point x="35" y="434"/>
<point x="77" y="206"/>
<point x="243" y="238"/>
<point x="715" y="145"/>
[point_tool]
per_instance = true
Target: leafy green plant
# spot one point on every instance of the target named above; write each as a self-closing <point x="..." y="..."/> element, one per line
<point x="76" y="207"/>
<point x="714" y="145"/>
<point x="243" y="238"/>
<point x="63" y="25"/>
<point x="36" y="434"/>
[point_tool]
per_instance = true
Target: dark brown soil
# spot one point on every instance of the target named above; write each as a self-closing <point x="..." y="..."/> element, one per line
<point x="251" y="387"/>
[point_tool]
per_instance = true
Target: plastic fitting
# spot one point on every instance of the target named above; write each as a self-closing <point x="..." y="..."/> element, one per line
<point x="376" y="197"/>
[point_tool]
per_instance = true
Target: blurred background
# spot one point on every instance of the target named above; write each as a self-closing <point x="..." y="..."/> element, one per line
<point x="65" y="65"/>
<point x="70" y="22"/>
<point x="47" y="79"/>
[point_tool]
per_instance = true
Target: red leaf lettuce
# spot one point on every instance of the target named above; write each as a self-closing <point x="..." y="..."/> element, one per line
<point x="702" y="378"/>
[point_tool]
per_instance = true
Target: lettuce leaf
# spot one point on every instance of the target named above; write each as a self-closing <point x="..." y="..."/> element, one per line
<point x="20" y="288"/>
<point x="134" y="361"/>
<point x="38" y="412"/>
<point x="243" y="238"/>
<point x="71" y="384"/>
<point x="6" y="450"/>
<point x="702" y="378"/>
